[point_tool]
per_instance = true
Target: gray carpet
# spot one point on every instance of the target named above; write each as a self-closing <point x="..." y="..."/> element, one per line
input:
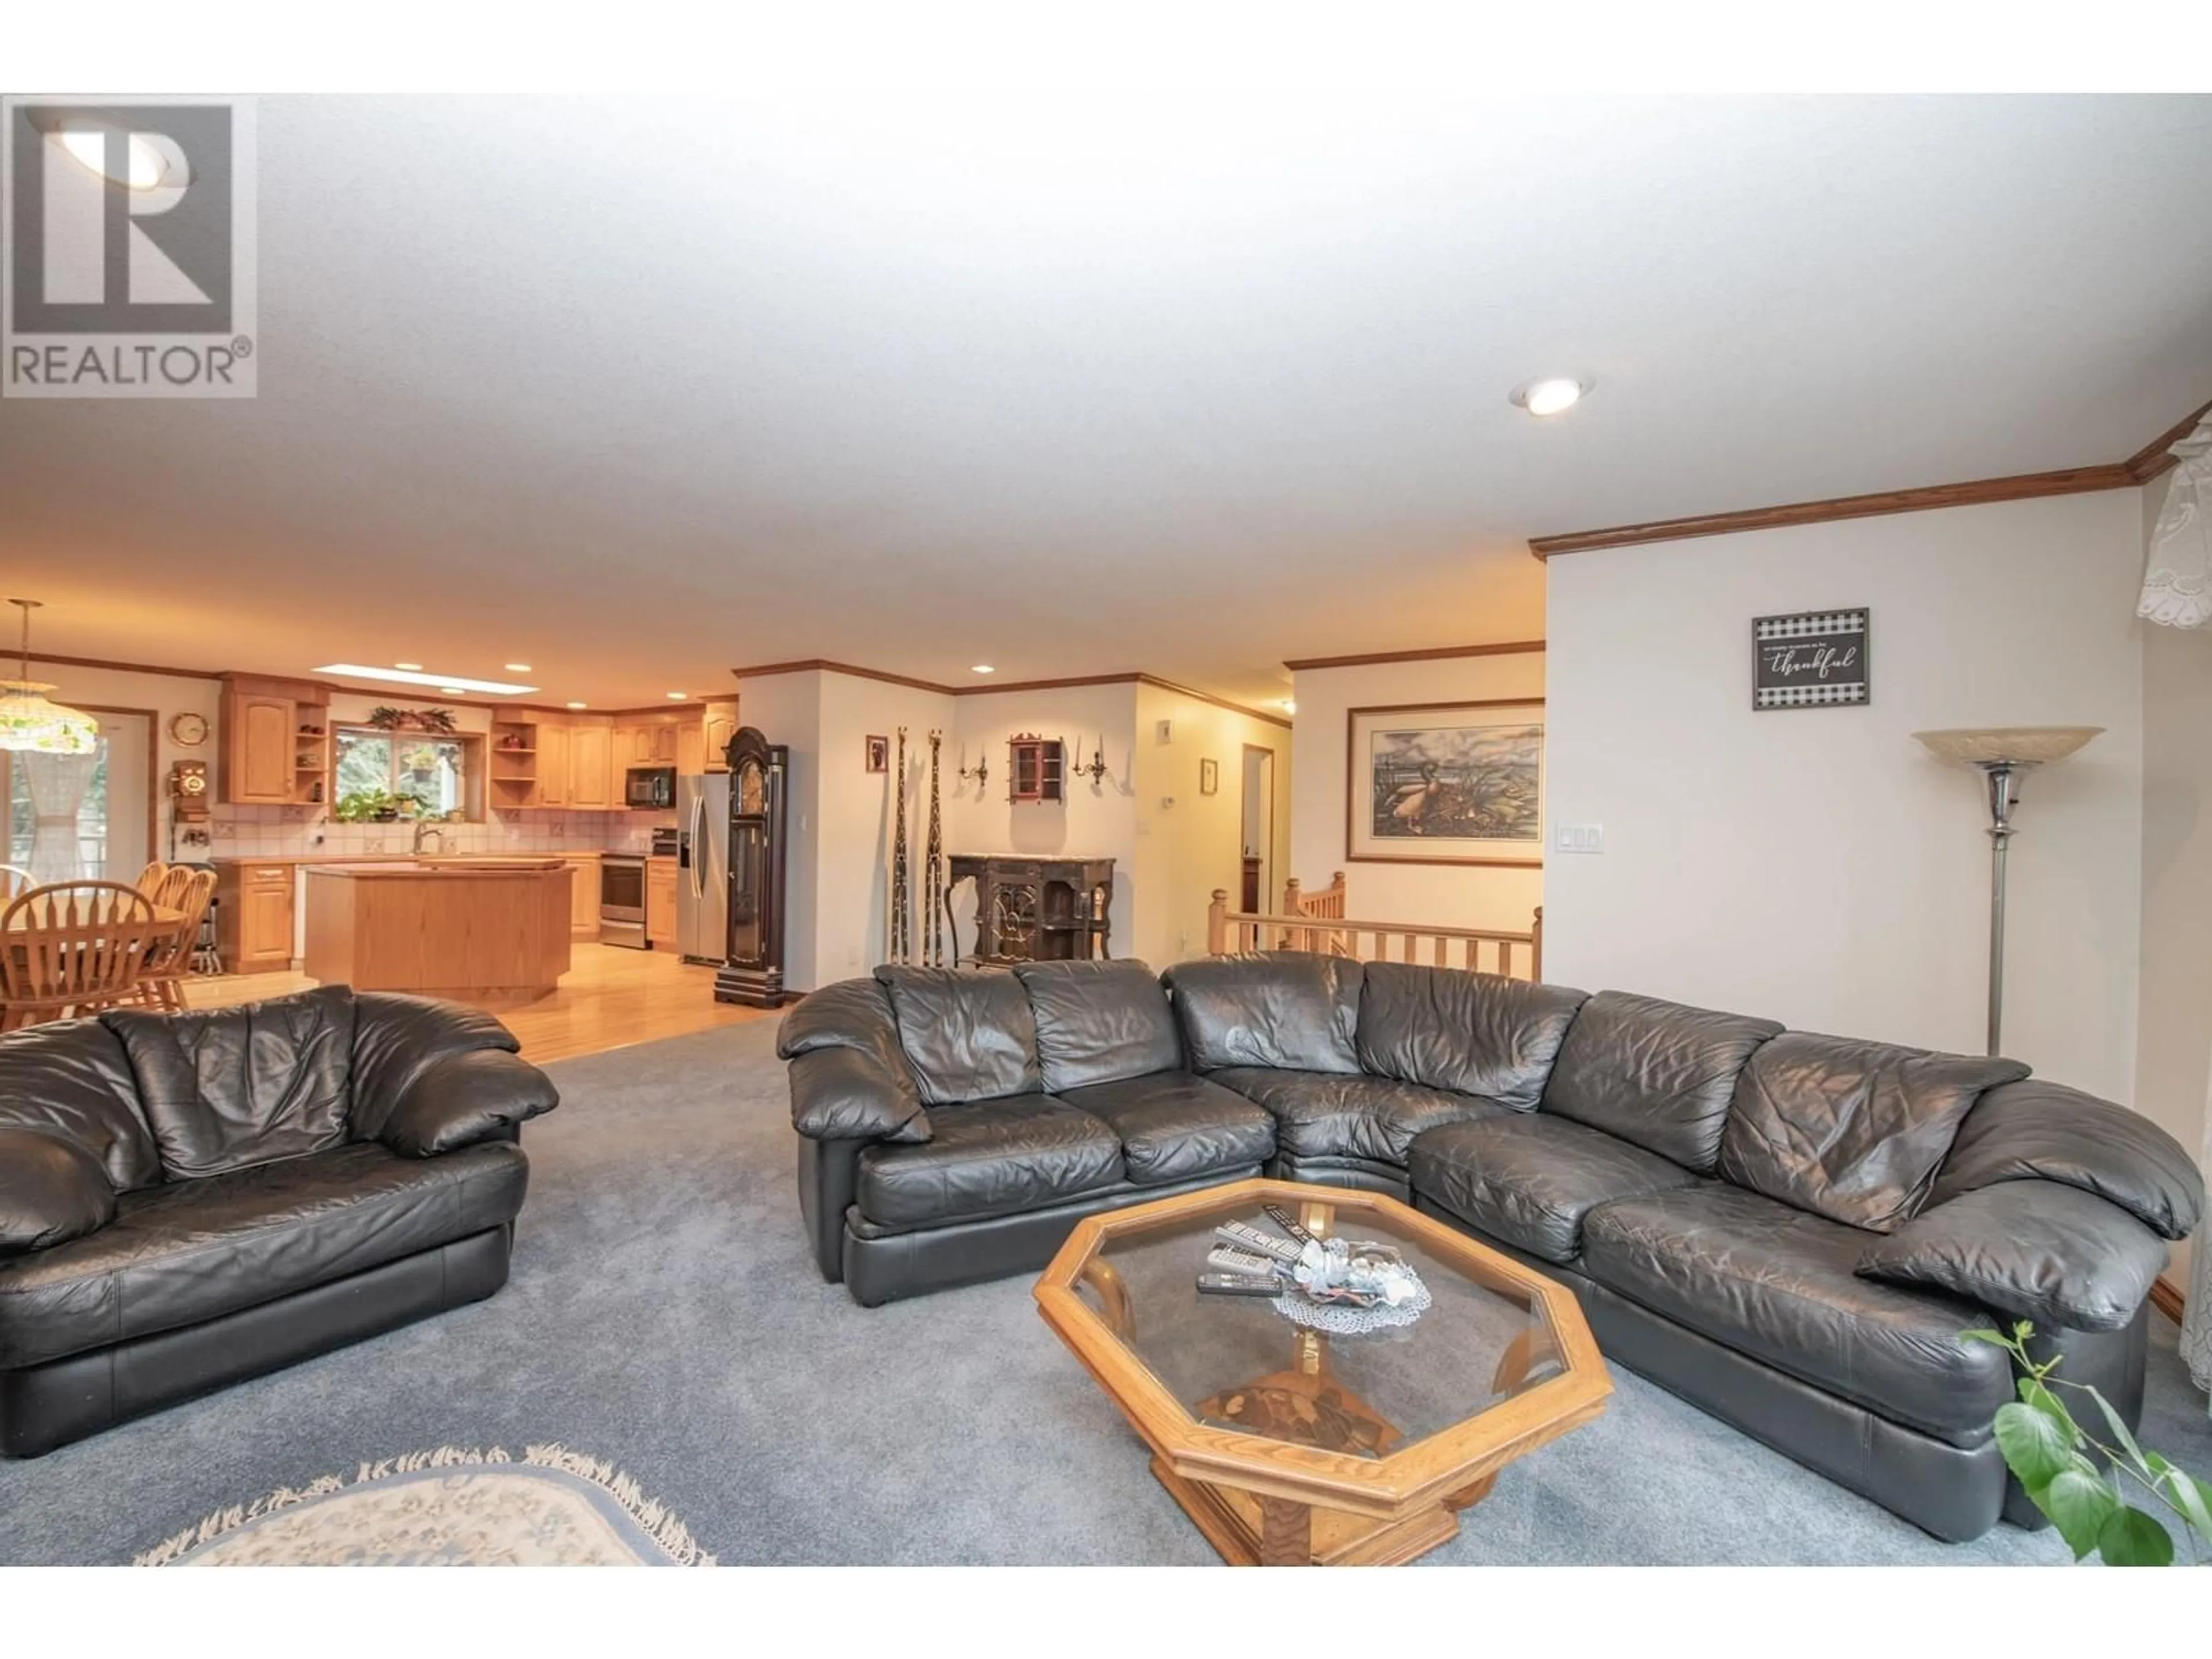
<point x="665" y="1316"/>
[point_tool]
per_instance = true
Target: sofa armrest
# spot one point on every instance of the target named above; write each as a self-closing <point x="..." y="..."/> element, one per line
<point x="50" y="1192"/>
<point x="843" y="1094"/>
<point x="2034" y="1249"/>
<point x="397" y="1037"/>
<point x="2036" y="1130"/>
<point x="464" y="1098"/>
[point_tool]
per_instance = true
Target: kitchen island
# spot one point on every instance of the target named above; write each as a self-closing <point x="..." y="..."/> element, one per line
<point x="475" y="930"/>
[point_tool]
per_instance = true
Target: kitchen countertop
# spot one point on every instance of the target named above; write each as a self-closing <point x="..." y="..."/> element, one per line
<point x="445" y="869"/>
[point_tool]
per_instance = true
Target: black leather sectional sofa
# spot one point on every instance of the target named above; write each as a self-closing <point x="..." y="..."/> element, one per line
<point x="1790" y="1231"/>
<point x="189" y="1200"/>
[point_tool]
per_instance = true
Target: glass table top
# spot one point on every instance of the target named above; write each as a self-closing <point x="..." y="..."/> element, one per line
<point x="1238" y="1362"/>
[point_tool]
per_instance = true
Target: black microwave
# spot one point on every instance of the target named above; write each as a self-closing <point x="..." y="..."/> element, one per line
<point x="650" y="787"/>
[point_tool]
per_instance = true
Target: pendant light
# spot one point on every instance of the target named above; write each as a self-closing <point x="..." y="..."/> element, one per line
<point x="30" y="722"/>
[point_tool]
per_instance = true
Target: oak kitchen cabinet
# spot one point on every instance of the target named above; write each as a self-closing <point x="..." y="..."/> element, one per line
<point x="661" y="879"/>
<point x="553" y="772"/>
<point x="583" y="894"/>
<point x="276" y="742"/>
<point x="720" y="721"/>
<point x="254" y="917"/>
<point x="592" y="781"/>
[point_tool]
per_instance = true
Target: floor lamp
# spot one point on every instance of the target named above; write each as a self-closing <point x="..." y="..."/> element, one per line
<point x="2001" y="754"/>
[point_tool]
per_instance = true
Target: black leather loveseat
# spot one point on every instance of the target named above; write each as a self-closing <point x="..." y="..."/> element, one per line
<point x="188" y="1200"/>
<point x="1790" y="1231"/>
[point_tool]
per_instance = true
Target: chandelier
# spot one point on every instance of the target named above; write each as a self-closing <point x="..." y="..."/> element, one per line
<point x="30" y="722"/>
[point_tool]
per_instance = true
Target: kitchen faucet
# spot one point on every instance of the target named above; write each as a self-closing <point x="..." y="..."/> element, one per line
<point x="424" y="830"/>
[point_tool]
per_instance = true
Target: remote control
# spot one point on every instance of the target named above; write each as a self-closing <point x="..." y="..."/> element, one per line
<point x="1237" y="1284"/>
<point x="1289" y="1223"/>
<point x="1251" y="1239"/>
<point x="1230" y="1259"/>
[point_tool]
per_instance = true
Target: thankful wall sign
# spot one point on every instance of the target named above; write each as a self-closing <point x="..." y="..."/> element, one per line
<point x="1814" y="660"/>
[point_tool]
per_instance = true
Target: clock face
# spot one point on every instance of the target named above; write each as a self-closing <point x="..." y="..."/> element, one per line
<point x="189" y="730"/>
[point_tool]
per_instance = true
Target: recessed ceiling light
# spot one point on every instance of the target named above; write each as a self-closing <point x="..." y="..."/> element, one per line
<point x="446" y="684"/>
<point x="983" y="668"/>
<point x="580" y="705"/>
<point x="516" y="667"/>
<point x="1554" y="395"/>
<point x="677" y="696"/>
<point x="411" y="667"/>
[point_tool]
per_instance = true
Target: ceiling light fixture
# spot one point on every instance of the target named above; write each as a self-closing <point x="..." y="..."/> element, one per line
<point x="411" y="667"/>
<point x="28" y="722"/>
<point x="983" y="668"/>
<point x="446" y="684"/>
<point x="1555" y="394"/>
<point x="580" y="705"/>
<point x="677" y="696"/>
<point x="516" y="667"/>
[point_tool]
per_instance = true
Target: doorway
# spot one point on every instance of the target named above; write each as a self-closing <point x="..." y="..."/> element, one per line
<point x="1258" y="835"/>
<point x="83" y="817"/>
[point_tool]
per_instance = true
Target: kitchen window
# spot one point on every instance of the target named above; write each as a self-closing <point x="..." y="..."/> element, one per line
<point x="436" y="771"/>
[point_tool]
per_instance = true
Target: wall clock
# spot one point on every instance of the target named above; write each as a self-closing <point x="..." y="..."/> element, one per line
<point x="189" y="730"/>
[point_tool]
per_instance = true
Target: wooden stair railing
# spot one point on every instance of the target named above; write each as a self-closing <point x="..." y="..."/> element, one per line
<point x="1515" y="955"/>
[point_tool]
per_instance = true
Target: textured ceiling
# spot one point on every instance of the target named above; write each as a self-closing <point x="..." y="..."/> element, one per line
<point x="635" y="389"/>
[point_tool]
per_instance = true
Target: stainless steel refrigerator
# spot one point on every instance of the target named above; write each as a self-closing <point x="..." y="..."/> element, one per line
<point x="702" y="867"/>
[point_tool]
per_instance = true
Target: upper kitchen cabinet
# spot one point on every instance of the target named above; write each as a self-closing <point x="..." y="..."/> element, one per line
<point x="555" y="777"/>
<point x="276" y="742"/>
<point x="592" y="763"/>
<point x="722" y="725"/>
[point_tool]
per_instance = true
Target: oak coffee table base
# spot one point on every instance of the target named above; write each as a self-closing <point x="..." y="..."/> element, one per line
<point x="1248" y="1530"/>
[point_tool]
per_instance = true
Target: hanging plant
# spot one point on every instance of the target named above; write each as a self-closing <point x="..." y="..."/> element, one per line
<point x="412" y="720"/>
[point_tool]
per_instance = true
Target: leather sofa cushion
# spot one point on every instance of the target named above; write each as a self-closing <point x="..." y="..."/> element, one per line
<point x="71" y="1079"/>
<point x="2033" y="1130"/>
<point x="967" y="1034"/>
<point x="990" y="1158"/>
<point x="1474" y="1034"/>
<point x="231" y="1087"/>
<point x="51" y="1191"/>
<point x="1850" y="1130"/>
<point x="1529" y="1178"/>
<point x="1322" y="1115"/>
<point x="1097" y="1022"/>
<point x="1780" y="1285"/>
<point x="860" y="1088"/>
<point x="1658" y="1073"/>
<point x="1175" y="1125"/>
<point x="1286" y="1011"/>
<point x="179" y="1254"/>
<point x="2058" y="1256"/>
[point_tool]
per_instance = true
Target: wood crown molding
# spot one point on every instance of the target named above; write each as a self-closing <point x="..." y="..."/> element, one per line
<point x="820" y="664"/>
<point x="2146" y="464"/>
<point x="1434" y="653"/>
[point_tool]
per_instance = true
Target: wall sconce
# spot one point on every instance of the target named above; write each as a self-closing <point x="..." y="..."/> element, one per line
<point x="1096" y="769"/>
<point x="981" y="772"/>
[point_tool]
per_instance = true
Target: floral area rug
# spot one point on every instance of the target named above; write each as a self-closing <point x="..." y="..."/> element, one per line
<point x="451" y="1507"/>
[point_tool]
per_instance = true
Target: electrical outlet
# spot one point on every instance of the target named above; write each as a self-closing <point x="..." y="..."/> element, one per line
<point x="1578" y="838"/>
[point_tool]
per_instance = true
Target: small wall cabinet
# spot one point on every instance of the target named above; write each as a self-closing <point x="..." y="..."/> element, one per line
<point x="1036" y="771"/>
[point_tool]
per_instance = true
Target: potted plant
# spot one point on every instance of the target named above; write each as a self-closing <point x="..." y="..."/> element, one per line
<point x="375" y="806"/>
<point x="2057" y="1464"/>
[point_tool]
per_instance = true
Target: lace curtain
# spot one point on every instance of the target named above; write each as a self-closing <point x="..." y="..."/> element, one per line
<point x="58" y="783"/>
<point x="2177" y="592"/>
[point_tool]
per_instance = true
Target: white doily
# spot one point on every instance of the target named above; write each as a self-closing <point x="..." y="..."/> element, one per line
<point x="1342" y="1319"/>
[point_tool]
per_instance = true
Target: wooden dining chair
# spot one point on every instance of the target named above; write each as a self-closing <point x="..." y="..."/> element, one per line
<point x="74" y="948"/>
<point x="187" y="891"/>
<point x="13" y="879"/>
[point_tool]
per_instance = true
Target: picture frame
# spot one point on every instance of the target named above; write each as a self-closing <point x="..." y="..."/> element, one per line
<point x="1209" y="777"/>
<point x="1813" y="659"/>
<point x="879" y="754"/>
<point x="1454" y="783"/>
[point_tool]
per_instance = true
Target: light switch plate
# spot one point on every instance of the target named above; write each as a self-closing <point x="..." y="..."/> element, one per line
<point x="1578" y="837"/>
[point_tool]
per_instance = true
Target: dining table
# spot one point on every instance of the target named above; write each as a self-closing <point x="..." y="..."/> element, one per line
<point x="168" y="925"/>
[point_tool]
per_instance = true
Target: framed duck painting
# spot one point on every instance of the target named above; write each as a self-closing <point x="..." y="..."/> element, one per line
<point x="1446" y="783"/>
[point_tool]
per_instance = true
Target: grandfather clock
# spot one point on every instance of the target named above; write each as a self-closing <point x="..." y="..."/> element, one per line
<point x="752" y="970"/>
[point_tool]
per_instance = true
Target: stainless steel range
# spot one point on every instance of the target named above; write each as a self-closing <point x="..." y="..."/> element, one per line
<point x="622" y="900"/>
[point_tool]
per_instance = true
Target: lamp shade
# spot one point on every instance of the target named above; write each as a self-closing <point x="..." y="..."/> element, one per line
<point x="2007" y="745"/>
<point x="28" y="721"/>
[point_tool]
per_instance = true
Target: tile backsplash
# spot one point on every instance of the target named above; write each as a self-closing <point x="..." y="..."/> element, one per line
<point x="301" y="831"/>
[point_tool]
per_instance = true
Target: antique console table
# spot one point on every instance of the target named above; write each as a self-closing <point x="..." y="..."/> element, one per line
<point x="1030" y="909"/>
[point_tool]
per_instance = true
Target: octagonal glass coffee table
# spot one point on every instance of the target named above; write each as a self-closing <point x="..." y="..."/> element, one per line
<point x="1288" y="1446"/>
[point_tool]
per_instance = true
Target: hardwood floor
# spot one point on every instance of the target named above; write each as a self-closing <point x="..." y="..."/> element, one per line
<point x="609" y="998"/>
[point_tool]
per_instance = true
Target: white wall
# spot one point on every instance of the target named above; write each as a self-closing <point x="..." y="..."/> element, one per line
<point x="851" y="905"/>
<point x="1096" y="820"/>
<point x="1444" y="896"/>
<point x="1815" y="865"/>
<point x="2173" y="1046"/>
<point x="1187" y="850"/>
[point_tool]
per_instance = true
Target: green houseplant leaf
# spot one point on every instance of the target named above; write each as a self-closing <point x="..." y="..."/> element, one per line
<point x="2130" y="1538"/>
<point x="2035" y="1448"/>
<point x="2079" y="1505"/>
